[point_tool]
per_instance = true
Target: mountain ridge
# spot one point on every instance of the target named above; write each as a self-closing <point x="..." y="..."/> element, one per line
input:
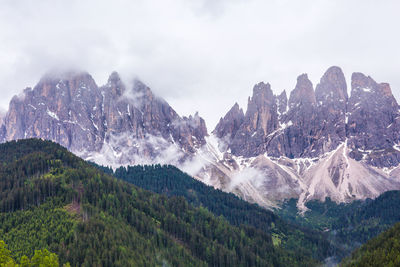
<point x="316" y="143"/>
<point x="330" y="143"/>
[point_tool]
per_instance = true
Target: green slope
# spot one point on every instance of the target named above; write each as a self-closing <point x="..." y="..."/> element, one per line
<point x="348" y="225"/>
<point x="384" y="250"/>
<point x="170" y="181"/>
<point x="41" y="258"/>
<point x="51" y="199"/>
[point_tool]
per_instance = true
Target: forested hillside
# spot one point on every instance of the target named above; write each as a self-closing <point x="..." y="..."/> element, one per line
<point x="383" y="250"/>
<point x="171" y="181"/>
<point x="40" y="258"/>
<point x="349" y="225"/>
<point x="51" y="199"/>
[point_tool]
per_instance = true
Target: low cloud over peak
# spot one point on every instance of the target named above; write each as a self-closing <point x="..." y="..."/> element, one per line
<point x="198" y="55"/>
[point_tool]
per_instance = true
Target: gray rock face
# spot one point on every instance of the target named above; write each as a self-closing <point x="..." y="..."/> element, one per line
<point x="65" y="110"/>
<point x="229" y="125"/>
<point x="311" y="124"/>
<point x="260" y="120"/>
<point x="282" y="103"/>
<point x="303" y="94"/>
<point x="297" y="126"/>
<point x="72" y="110"/>
<point x="331" y="95"/>
<point x="315" y="144"/>
<point x="373" y="124"/>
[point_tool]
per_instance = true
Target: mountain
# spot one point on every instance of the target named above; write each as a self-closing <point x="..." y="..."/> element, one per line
<point x="110" y="124"/>
<point x="308" y="144"/>
<point x="316" y="144"/>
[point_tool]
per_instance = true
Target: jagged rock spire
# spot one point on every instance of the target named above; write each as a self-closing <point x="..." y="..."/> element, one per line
<point x="303" y="93"/>
<point x="332" y="86"/>
<point x="115" y="84"/>
<point x="230" y="123"/>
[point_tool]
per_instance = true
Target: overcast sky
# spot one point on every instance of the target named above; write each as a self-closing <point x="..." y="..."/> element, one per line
<point x="200" y="55"/>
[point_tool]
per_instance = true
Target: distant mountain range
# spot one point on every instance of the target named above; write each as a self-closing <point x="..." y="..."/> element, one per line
<point x="311" y="145"/>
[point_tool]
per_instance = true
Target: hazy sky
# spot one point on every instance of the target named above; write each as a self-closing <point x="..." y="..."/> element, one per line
<point x="200" y="55"/>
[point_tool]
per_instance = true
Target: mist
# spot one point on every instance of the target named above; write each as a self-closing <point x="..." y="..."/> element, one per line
<point x="198" y="55"/>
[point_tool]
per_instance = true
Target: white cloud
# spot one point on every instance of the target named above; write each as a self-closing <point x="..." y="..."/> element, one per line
<point x="124" y="149"/>
<point x="198" y="55"/>
<point x="247" y="175"/>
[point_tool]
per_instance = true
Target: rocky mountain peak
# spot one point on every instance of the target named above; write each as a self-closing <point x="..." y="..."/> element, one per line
<point x="115" y="84"/>
<point x="249" y="132"/>
<point x="262" y="90"/>
<point x="57" y="108"/>
<point x="235" y="108"/>
<point x="262" y="96"/>
<point x="234" y="111"/>
<point x="230" y="123"/>
<point x="363" y="87"/>
<point x="69" y="108"/>
<point x="261" y="109"/>
<point x="197" y="125"/>
<point x="66" y="85"/>
<point x="141" y="90"/>
<point x="114" y="78"/>
<point x="361" y="81"/>
<point x="194" y="120"/>
<point x="374" y="122"/>
<point x="303" y="93"/>
<point x="332" y="86"/>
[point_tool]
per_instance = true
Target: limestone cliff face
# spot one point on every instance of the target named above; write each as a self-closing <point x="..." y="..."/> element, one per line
<point x="72" y="110"/>
<point x="374" y="122"/>
<point x="311" y="123"/>
<point x="282" y="103"/>
<point x="297" y="127"/>
<point x="260" y="120"/>
<point x="316" y="144"/>
<point x="331" y="96"/>
<point x="229" y="125"/>
<point x="66" y="110"/>
<point x="303" y="94"/>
